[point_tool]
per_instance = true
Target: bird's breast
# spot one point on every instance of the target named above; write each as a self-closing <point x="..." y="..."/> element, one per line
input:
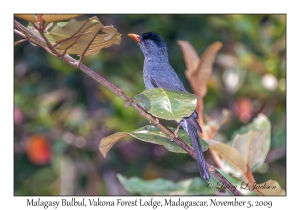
<point x="147" y="76"/>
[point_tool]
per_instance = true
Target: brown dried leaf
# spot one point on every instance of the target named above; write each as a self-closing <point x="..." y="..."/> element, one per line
<point x="53" y="97"/>
<point x="228" y="153"/>
<point x="100" y="43"/>
<point x="111" y="31"/>
<point x="107" y="142"/>
<point x="76" y="35"/>
<point x="191" y="57"/>
<point x="53" y="18"/>
<point x="28" y="17"/>
<point x="198" y="72"/>
<point x="63" y="33"/>
<point x="205" y="67"/>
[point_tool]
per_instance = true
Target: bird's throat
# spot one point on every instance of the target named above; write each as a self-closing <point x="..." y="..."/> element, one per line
<point x="158" y="56"/>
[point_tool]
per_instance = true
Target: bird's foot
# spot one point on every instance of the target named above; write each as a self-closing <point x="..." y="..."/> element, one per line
<point x="128" y="102"/>
<point x="176" y="130"/>
<point x="78" y="63"/>
<point x="156" y="121"/>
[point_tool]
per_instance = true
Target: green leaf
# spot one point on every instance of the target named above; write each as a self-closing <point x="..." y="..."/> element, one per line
<point x="196" y="186"/>
<point x="253" y="141"/>
<point x="167" y="104"/>
<point x="225" y="118"/>
<point x="153" y="135"/>
<point x="62" y="24"/>
<point x="212" y="126"/>
<point x="251" y="147"/>
<point x="150" y="134"/>
<point x="33" y="30"/>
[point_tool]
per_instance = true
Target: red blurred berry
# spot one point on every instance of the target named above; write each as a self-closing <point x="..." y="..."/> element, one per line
<point x="244" y="109"/>
<point x="38" y="150"/>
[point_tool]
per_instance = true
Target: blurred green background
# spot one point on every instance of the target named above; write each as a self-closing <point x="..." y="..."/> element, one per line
<point x="61" y="114"/>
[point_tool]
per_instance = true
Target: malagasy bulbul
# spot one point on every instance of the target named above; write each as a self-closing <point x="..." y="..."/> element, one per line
<point x="158" y="73"/>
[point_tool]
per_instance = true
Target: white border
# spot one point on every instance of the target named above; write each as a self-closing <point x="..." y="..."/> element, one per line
<point x="152" y="6"/>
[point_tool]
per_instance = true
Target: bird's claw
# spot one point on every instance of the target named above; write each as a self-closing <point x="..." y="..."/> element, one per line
<point x="176" y="130"/>
<point x="128" y="102"/>
<point x="156" y="121"/>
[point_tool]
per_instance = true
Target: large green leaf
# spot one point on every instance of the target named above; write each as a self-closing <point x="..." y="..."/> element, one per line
<point x="253" y="141"/>
<point x="167" y="104"/>
<point x="153" y="135"/>
<point x="251" y="147"/>
<point x="195" y="186"/>
<point x="150" y="134"/>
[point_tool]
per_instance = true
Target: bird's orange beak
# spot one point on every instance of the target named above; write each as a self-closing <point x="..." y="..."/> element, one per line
<point x="135" y="37"/>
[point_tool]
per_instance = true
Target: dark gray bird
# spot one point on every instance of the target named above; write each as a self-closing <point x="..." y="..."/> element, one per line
<point x="158" y="73"/>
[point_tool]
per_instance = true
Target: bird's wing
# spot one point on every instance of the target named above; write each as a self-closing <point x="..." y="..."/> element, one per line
<point x="170" y="82"/>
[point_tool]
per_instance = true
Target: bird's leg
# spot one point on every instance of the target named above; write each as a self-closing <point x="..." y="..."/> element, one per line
<point x="176" y="130"/>
<point x="128" y="101"/>
<point x="79" y="62"/>
<point x="156" y="121"/>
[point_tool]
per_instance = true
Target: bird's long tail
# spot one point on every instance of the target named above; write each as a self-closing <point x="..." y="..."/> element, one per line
<point x="191" y="126"/>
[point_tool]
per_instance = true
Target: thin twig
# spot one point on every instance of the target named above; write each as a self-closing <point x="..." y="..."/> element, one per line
<point x="26" y="38"/>
<point x="30" y="35"/>
<point x="20" y="41"/>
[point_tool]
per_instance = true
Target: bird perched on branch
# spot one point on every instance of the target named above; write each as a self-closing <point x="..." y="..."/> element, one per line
<point x="158" y="73"/>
